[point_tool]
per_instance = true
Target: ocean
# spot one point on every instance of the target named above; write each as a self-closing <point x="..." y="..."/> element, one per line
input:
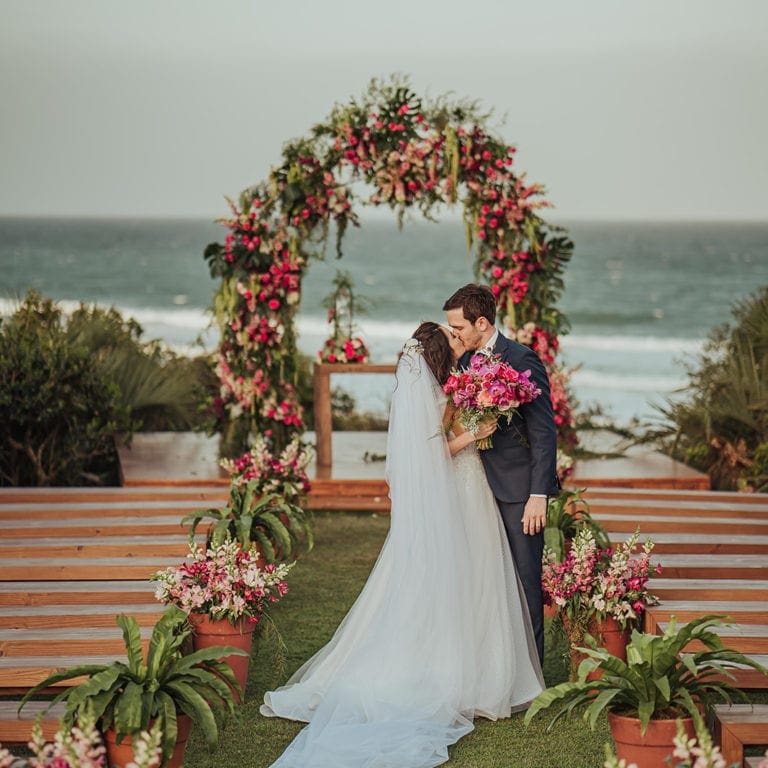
<point x="641" y="296"/>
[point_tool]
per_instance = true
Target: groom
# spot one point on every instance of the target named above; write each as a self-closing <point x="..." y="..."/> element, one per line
<point x="521" y="467"/>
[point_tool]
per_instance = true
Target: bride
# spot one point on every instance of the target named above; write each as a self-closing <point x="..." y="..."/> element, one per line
<point x="440" y="632"/>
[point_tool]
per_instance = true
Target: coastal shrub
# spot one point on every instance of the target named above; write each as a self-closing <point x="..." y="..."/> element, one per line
<point x="58" y="411"/>
<point x="70" y="383"/>
<point x="721" y="427"/>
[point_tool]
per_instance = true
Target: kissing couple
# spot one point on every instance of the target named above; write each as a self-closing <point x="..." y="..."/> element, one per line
<point x="449" y="625"/>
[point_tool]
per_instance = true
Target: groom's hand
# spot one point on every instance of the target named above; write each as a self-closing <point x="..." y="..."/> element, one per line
<point x="535" y="515"/>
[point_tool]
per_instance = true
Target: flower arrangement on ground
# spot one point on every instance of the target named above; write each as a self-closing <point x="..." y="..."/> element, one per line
<point x="284" y="473"/>
<point x="224" y="582"/>
<point x="600" y="581"/>
<point x="595" y="583"/>
<point x="81" y="747"/>
<point x="487" y="390"/>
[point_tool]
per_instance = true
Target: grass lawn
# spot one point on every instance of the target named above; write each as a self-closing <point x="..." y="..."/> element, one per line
<point x="324" y="585"/>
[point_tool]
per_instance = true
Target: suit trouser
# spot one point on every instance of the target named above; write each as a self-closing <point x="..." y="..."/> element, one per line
<point x="526" y="552"/>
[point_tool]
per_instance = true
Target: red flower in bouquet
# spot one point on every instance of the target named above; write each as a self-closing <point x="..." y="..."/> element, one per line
<point x="489" y="389"/>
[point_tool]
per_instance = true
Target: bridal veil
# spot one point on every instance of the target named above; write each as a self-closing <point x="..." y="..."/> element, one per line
<point x="394" y="686"/>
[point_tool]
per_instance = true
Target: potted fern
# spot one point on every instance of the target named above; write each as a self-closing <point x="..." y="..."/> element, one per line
<point x="658" y="683"/>
<point x="166" y="689"/>
<point x="279" y="527"/>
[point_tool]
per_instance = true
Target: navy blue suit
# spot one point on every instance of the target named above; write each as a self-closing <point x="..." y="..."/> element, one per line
<point x="522" y="461"/>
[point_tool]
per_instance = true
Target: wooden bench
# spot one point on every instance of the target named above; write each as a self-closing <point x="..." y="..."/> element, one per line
<point x="740" y="725"/>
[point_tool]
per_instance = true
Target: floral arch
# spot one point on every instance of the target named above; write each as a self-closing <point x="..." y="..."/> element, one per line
<point x="416" y="155"/>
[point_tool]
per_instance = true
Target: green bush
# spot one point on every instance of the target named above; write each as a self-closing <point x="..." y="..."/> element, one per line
<point x="69" y="383"/>
<point x="58" y="410"/>
<point x="722" y="426"/>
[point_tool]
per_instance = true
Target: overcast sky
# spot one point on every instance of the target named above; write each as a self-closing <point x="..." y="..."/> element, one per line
<point x="623" y="109"/>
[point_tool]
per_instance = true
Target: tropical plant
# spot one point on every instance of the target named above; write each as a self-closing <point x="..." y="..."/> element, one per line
<point x="721" y="426"/>
<point x="130" y="696"/>
<point x="162" y="390"/>
<point x="279" y="527"/>
<point x="659" y="680"/>
<point x="567" y="514"/>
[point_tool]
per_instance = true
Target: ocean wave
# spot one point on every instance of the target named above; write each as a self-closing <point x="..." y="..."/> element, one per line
<point x="395" y="331"/>
<point x="627" y="382"/>
<point x="624" y="343"/>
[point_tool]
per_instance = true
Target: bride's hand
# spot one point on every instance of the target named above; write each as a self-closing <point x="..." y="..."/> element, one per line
<point x="485" y="430"/>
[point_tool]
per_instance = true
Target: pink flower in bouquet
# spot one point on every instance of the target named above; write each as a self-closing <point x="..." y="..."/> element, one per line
<point x="488" y="389"/>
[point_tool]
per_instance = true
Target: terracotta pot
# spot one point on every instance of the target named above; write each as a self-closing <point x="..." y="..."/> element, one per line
<point x="651" y="749"/>
<point x="608" y="635"/>
<point x="121" y="754"/>
<point x="208" y="633"/>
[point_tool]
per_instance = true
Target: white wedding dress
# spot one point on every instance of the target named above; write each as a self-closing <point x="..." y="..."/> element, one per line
<point x="439" y="632"/>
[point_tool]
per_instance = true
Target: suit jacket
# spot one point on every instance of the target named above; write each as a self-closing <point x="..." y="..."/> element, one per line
<point x="523" y="459"/>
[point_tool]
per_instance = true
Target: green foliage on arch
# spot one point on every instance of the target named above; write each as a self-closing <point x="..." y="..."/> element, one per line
<point x="389" y="147"/>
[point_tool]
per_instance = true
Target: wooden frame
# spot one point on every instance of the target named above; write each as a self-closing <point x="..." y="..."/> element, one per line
<point x="322" y="399"/>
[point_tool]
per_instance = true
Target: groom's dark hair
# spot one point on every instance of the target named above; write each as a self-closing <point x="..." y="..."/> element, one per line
<point x="475" y="301"/>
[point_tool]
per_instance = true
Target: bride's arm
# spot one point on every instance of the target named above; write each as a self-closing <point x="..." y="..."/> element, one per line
<point x="462" y="438"/>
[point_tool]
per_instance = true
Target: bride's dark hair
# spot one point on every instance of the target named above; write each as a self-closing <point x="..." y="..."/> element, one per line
<point x="437" y="350"/>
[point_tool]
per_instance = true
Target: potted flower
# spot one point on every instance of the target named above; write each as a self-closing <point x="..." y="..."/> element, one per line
<point x="224" y="589"/>
<point x="598" y="589"/>
<point x="164" y="688"/>
<point x="658" y="683"/>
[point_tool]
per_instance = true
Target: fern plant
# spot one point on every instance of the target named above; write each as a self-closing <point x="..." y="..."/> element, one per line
<point x="128" y="696"/>
<point x="280" y="528"/>
<point x="658" y="681"/>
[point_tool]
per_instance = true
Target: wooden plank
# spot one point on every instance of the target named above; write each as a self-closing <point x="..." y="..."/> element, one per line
<point x="19" y="674"/>
<point x="103" y="530"/>
<point x="746" y="612"/>
<point x="648" y="525"/>
<point x="747" y="638"/>
<point x="714" y="566"/>
<point x="80" y="548"/>
<point x="30" y="593"/>
<point x="697" y="543"/>
<point x="82" y="616"/>
<point x="740" y="725"/>
<point x="55" y="496"/>
<point x="688" y="509"/>
<point x="171" y="510"/>
<point x="72" y="569"/>
<point x="709" y="589"/>
<point x="733" y="497"/>
<point x="16" y="728"/>
<point x="75" y="641"/>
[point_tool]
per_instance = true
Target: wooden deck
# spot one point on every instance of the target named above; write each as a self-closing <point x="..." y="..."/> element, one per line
<point x="356" y="479"/>
<point x="71" y="559"/>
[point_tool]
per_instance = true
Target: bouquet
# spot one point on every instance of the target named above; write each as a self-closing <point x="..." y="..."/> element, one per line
<point x="224" y="582"/>
<point x="487" y="390"/>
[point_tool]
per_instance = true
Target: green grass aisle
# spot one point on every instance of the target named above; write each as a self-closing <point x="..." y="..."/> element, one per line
<point x="324" y="585"/>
